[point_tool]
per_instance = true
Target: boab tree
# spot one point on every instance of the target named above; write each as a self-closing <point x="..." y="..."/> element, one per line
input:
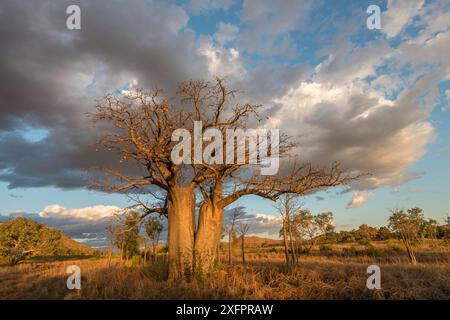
<point x="144" y="124"/>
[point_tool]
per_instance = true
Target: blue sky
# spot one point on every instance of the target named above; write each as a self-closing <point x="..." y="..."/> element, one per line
<point x="315" y="64"/>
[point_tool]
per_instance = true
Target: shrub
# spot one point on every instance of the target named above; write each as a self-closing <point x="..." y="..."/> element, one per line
<point x="22" y="237"/>
<point x="326" y="248"/>
<point x="157" y="270"/>
<point x="364" y="241"/>
<point x="351" y="251"/>
<point x="396" y="247"/>
<point x="372" y="251"/>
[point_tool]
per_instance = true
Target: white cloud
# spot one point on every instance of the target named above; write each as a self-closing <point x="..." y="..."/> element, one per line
<point x="222" y="61"/>
<point x="88" y="213"/>
<point x="335" y="122"/>
<point x="399" y="14"/>
<point x="227" y="32"/>
<point x="359" y="198"/>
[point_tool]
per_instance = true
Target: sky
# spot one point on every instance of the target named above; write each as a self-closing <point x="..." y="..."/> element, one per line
<point x="377" y="100"/>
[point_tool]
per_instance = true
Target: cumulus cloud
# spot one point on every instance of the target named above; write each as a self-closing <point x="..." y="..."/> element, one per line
<point x="226" y="32"/>
<point x="87" y="213"/>
<point x="366" y="105"/>
<point x="399" y="14"/>
<point x="359" y="198"/>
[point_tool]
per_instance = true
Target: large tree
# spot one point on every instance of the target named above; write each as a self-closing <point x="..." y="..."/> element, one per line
<point x="143" y="125"/>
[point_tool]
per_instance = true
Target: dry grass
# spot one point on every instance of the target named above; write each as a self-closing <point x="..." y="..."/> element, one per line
<point x="339" y="274"/>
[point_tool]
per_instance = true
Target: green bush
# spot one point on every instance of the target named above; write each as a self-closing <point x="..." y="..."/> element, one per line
<point x="136" y="260"/>
<point x="21" y="238"/>
<point x="396" y="247"/>
<point x="372" y="251"/>
<point x="351" y="251"/>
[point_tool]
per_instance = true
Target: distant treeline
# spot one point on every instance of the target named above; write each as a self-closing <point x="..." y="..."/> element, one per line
<point x="429" y="229"/>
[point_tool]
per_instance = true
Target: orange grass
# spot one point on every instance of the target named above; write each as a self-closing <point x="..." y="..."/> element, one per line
<point x="339" y="274"/>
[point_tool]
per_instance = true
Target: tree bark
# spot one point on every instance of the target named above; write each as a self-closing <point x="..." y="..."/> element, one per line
<point x="208" y="235"/>
<point x="181" y="214"/>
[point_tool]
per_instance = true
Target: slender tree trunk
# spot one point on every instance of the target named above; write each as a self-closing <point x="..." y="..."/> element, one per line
<point x="230" y="261"/>
<point x="410" y="251"/>
<point x="294" y="256"/>
<point x="286" y="249"/>
<point x="154" y="248"/>
<point x="181" y="214"/>
<point x="145" y="253"/>
<point x="207" y="238"/>
<point x="243" y="249"/>
<point x="110" y="255"/>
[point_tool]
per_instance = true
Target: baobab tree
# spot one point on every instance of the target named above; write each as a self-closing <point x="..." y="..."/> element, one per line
<point x="143" y="125"/>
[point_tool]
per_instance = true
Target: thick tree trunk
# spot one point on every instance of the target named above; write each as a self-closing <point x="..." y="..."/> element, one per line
<point x="207" y="238"/>
<point x="181" y="214"/>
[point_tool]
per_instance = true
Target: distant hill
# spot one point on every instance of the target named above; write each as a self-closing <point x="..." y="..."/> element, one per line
<point x="258" y="241"/>
<point x="24" y="237"/>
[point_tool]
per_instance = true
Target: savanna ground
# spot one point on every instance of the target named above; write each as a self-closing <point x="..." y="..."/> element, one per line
<point x="328" y="272"/>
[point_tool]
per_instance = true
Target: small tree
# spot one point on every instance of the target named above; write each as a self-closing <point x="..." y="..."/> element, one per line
<point x="365" y="234"/>
<point x="21" y="238"/>
<point x="126" y="234"/>
<point x="153" y="228"/>
<point x="384" y="233"/>
<point x="312" y="228"/>
<point x="243" y="229"/>
<point x="407" y="227"/>
<point x="429" y="229"/>
<point x="233" y="219"/>
<point x="287" y="206"/>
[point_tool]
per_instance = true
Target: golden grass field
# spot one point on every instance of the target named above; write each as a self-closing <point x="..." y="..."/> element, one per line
<point x="338" y="272"/>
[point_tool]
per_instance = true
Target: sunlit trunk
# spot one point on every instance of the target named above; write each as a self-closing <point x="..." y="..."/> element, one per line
<point x="243" y="249"/>
<point x="181" y="214"/>
<point x="286" y="249"/>
<point x="293" y="254"/>
<point x="209" y="233"/>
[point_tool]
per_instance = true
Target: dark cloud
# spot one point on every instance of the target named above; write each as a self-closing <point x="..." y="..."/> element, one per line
<point x="50" y="77"/>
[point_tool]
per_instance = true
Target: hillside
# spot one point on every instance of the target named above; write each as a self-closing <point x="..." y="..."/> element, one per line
<point x="254" y="240"/>
<point x="21" y="238"/>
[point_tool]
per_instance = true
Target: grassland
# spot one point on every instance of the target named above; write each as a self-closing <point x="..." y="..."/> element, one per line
<point x="333" y="272"/>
